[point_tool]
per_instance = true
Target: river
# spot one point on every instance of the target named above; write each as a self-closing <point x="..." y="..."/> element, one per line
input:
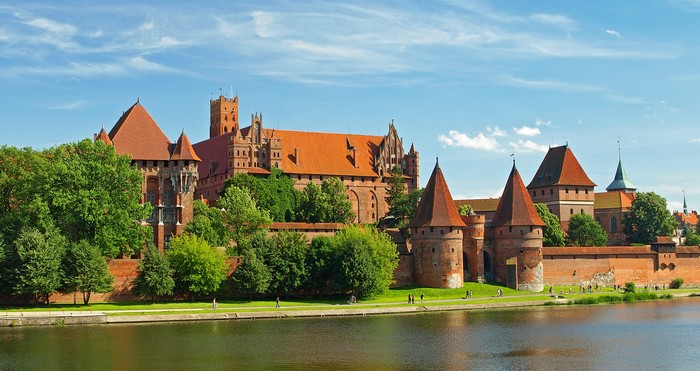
<point x="641" y="336"/>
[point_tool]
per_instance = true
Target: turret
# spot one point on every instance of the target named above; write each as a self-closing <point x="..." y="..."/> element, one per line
<point x="436" y="236"/>
<point x="223" y="116"/>
<point x="413" y="169"/>
<point x="517" y="233"/>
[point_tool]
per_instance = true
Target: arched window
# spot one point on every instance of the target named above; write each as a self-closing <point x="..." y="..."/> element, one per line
<point x="613" y="225"/>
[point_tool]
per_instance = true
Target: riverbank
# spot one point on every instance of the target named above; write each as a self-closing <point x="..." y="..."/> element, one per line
<point x="80" y="317"/>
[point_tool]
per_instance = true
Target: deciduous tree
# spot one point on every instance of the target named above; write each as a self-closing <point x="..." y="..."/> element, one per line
<point x="552" y="235"/>
<point x="285" y="257"/>
<point x="86" y="270"/>
<point x="648" y="218"/>
<point x="241" y="216"/>
<point x="252" y="276"/>
<point x="199" y="268"/>
<point x="155" y="275"/>
<point x="208" y="223"/>
<point x="39" y="255"/>
<point x="585" y="231"/>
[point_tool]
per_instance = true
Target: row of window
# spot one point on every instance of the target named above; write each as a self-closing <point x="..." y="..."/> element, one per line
<point x="551" y="191"/>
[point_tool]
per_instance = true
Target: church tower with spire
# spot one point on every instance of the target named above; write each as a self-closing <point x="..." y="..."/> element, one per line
<point x="436" y="237"/>
<point x="517" y="238"/>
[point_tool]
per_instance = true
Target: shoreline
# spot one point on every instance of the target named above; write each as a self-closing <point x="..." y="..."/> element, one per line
<point x="103" y="318"/>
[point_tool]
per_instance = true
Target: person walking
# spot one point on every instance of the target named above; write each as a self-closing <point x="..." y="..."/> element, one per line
<point x="421" y="298"/>
<point x="277" y="302"/>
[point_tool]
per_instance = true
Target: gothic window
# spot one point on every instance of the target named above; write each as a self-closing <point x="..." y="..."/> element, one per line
<point x="167" y="198"/>
<point x="551" y="191"/>
<point x="169" y="215"/>
<point x="542" y="193"/>
<point x="566" y="190"/>
<point x="613" y="225"/>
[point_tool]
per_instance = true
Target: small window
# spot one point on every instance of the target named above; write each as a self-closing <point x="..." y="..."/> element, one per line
<point x="572" y="212"/>
<point x="566" y="190"/>
<point x="551" y="191"/>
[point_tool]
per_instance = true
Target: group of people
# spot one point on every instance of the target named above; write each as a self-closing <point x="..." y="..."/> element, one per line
<point x="412" y="298"/>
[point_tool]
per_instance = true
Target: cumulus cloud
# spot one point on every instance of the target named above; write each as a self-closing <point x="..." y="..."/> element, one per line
<point x="527" y="131"/>
<point x="480" y="141"/>
<point x="696" y="140"/>
<point x="540" y="122"/>
<point x="496" y="132"/>
<point x="528" y="146"/>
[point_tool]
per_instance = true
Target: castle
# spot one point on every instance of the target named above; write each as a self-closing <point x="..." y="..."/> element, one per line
<point x="362" y="162"/>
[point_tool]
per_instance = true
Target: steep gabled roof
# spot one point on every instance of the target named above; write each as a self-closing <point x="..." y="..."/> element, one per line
<point x="516" y="206"/>
<point x="214" y="152"/>
<point x="436" y="207"/>
<point x="621" y="182"/>
<point x="560" y="167"/>
<point x="183" y="149"/>
<point x="137" y="134"/>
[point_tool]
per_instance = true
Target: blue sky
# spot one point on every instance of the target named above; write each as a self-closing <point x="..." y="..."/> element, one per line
<point x="470" y="82"/>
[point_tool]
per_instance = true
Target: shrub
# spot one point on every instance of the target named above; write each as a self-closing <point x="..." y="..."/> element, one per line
<point x="630" y="287"/>
<point x="609" y="299"/>
<point x="631" y="297"/>
<point x="676" y="283"/>
<point x="586" y="300"/>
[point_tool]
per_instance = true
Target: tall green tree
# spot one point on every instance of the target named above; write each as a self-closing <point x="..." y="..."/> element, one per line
<point x="155" y="275"/>
<point x="39" y="256"/>
<point x="199" y="268"/>
<point x="366" y="261"/>
<point x="320" y="263"/>
<point x="94" y="194"/>
<point x="208" y="223"/>
<point x="274" y="193"/>
<point x="552" y="235"/>
<point x="402" y="204"/>
<point x="313" y="204"/>
<point x="285" y="257"/>
<point x="242" y="216"/>
<point x="339" y="207"/>
<point x="585" y="231"/>
<point x="252" y="276"/>
<point x="648" y="218"/>
<point x="86" y="270"/>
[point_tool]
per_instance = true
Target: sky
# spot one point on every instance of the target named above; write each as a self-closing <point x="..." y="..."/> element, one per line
<point x="469" y="82"/>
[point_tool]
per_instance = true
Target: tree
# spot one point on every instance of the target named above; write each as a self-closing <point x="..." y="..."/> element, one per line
<point x="320" y="263"/>
<point x="199" y="268"/>
<point x="39" y="257"/>
<point x="86" y="270"/>
<point x="208" y="223"/>
<point x="402" y="204"/>
<point x="552" y="235"/>
<point x="274" y="193"/>
<point x="155" y="275"/>
<point x="94" y="194"/>
<point x="285" y="258"/>
<point x="585" y="231"/>
<point x="366" y="261"/>
<point x="252" y="276"/>
<point x="648" y="218"/>
<point x="339" y="208"/>
<point x="312" y="204"/>
<point x="241" y="215"/>
<point x="465" y="209"/>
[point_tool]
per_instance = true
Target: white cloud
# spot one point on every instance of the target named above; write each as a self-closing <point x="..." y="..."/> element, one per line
<point x="52" y="26"/>
<point x="613" y="33"/>
<point x="147" y="26"/>
<point x="554" y="19"/>
<point x="696" y="140"/>
<point x="527" y="131"/>
<point x="496" y="132"/>
<point x="480" y="141"/>
<point x="540" y="122"/>
<point x="68" y="106"/>
<point x="528" y="146"/>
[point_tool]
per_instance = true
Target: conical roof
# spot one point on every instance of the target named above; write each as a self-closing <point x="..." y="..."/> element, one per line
<point x="103" y="136"/>
<point x="137" y="134"/>
<point x="621" y="182"/>
<point x="183" y="149"/>
<point x="436" y="207"/>
<point x="516" y="206"/>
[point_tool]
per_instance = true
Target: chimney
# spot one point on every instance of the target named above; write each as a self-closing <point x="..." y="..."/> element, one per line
<point x="296" y="157"/>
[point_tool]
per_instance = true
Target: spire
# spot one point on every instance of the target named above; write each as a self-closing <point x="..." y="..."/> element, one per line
<point x="685" y="205"/>
<point x="515" y="206"/>
<point x="436" y="207"/>
<point x="183" y="149"/>
<point x="621" y="182"/>
<point x="103" y="136"/>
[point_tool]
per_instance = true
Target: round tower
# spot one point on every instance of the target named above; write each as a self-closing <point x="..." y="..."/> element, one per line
<point x="472" y="245"/>
<point x="436" y="237"/>
<point x="517" y="236"/>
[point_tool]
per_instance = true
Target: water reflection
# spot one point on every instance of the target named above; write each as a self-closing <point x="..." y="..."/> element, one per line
<point x="643" y="335"/>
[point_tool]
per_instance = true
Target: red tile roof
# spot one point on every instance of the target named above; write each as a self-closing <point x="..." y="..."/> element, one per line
<point x="436" y="207"/>
<point x="516" y="206"/>
<point x="214" y="151"/>
<point x="614" y="200"/>
<point x="103" y="136"/>
<point x="183" y="149"/>
<point x="690" y="219"/>
<point x="560" y="167"/>
<point x="138" y="135"/>
<point x="327" y="153"/>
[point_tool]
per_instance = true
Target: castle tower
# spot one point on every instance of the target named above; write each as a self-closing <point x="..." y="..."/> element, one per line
<point x="517" y="234"/>
<point x="561" y="183"/>
<point x="412" y="169"/>
<point x="473" y="245"/>
<point x="436" y="237"/>
<point x="183" y="177"/>
<point x="223" y="116"/>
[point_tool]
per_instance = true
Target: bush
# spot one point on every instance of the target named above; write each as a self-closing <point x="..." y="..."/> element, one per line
<point x="609" y="299"/>
<point x="631" y="297"/>
<point x="630" y="287"/>
<point x="586" y="300"/>
<point x="676" y="283"/>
